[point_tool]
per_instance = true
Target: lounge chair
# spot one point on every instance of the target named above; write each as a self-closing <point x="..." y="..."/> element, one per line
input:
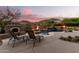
<point x="33" y="37"/>
<point x="14" y="38"/>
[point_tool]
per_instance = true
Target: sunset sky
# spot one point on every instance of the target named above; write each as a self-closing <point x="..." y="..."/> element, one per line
<point x="48" y="11"/>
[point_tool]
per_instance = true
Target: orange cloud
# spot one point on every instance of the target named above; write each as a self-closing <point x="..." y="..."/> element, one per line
<point x="26" y="11"/>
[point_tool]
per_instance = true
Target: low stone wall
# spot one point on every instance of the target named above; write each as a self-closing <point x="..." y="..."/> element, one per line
<point x="4" y="36"/>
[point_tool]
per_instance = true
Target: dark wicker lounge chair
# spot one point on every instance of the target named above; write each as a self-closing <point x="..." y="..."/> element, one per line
<point x="15" y="37"/>
<point x="34" y="38"/>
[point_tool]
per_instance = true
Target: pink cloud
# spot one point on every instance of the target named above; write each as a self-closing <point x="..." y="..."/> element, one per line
<point x="26" y="11"/>
<point x="27" y="16"/>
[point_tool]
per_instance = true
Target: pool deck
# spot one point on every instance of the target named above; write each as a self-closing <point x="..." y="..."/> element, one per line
<point x="51" y="44"/>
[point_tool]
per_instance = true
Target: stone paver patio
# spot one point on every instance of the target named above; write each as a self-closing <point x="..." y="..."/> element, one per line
<point x="51" y="44"/>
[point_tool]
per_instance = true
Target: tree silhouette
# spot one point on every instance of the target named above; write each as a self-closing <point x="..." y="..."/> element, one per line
<point x="7" y="17"/>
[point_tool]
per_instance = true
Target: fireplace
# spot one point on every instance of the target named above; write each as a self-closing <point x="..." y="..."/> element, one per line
<point x="15" y="29"/>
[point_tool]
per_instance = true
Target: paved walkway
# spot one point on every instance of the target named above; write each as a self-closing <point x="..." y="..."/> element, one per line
<point x="51" y="44"/>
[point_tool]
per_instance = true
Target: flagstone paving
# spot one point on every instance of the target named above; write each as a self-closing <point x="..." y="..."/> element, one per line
<point x="51" y="44"/>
